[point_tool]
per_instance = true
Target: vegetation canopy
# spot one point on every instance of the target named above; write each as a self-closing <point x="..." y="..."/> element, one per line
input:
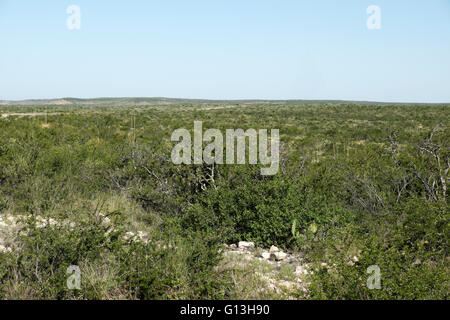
<point x="93" y="185"/>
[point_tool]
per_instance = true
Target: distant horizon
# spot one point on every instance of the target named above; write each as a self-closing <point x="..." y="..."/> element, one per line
<point x="218" y="99"/>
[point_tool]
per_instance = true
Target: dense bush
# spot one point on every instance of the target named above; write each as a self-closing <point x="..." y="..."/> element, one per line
<point x="355" y="181"/>
<point x="111" y="265"/>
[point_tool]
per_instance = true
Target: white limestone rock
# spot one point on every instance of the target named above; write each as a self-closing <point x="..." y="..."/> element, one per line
<point x="273" y="249"/>
<point x="279" y="256"/>
<point x="246" y="245"/>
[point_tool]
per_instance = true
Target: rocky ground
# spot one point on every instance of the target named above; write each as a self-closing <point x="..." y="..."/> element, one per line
<point x="11" y="225"/>
<point x="270" y="272"/>
<point x="273" y="272"/>
<point x="8" y="227"/>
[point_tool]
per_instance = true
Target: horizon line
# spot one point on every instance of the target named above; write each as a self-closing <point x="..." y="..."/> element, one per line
<point x="215" y="100"/>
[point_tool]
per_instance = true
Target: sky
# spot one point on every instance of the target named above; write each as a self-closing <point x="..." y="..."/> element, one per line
<point x="234" y="49"/>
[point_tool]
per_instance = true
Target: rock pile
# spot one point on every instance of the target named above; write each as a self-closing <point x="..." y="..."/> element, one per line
<point x="245" y="255"/>
<point x="274" y="254"/>
<point x="8" y="227"/>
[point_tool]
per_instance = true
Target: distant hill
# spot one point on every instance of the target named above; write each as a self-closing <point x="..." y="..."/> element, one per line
<point x="176" y="101"/>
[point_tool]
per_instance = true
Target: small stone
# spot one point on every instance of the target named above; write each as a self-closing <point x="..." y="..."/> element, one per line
<point x="129" y="236"/>
<point x="273" y="249"/>
<point x="232" y="246"/>
<point x="265" y="255"/>
<point x="106" y="222"/>
<point x="246" y="245"/>
<point x="278" y="256"/>
<point x="5" y="249"/>
<point x="300" y="270"/>
<point x="143" y="235"/>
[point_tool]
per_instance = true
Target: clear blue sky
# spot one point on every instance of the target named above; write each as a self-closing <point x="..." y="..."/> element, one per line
<point x="233" y="49"/>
